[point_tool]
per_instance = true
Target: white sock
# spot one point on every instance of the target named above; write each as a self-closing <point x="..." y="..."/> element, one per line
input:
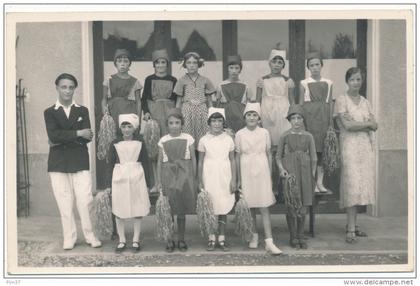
<point x="221" y="238"/>
<point x="120" y="228"/>
<point x="212" y="237"/>
<point x="269" y="240"/>
<point x="137" y="228"/>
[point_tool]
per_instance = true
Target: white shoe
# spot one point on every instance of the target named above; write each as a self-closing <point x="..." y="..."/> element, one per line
<point x="68" y="246"/>
<point x="322" y="189"/>
<point x="271" y="248"/>
<point x="254" y="241"/>
<point x="95" y="243"/>
<point x="153" y="190"/>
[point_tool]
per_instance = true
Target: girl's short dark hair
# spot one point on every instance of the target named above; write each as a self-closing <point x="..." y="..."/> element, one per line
<point x="312" y="58"/>
<point x="281" y="58"/>
<point x="216" y="115"/>
<point x="234" y="64"/>
<point x="259" y="117"/>
<point x="126" y="123"/>
<point x="122" y="56"/>
<point x="154" y="63"/>
<point x="177" y="116"/>
<point x="352" y="71"/>
<point x="66" y="76"/>
<point x="194" y="55"/>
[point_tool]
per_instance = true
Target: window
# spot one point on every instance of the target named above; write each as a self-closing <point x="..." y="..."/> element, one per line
<point x="332" y="39"/>
<point x="256" y="38"/>
<point x="203" y="37"/>
<point x="135" y="36"/>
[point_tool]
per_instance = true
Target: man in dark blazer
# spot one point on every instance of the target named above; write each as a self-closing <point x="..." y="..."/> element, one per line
<point x="68" y="129"/>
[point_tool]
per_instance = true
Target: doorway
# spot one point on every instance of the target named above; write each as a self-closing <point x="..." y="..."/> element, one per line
<point x="341" y="43"/>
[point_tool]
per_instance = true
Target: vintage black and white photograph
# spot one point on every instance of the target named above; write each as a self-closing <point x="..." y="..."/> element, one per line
<point x="201" y="140"/>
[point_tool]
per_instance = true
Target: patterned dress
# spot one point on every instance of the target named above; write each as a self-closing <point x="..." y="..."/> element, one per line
<point x="158" y="98"/>
<point x="357" y="155"/>
<point x="275" y="104"/>
<point x="129" y="192"/>
<point x="177" y="173"/>
<point x="233" y="98"/>
<point x="122" y="95"/>
<point x="217" y="172"/>
<point x="252" y="147"/>
<point x="317" y="96"/>
<point x="194" y="104"/>
<point x="297" y="149"/>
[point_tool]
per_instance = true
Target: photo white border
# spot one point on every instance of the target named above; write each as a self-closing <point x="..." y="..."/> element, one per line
<point x="54" y="13"/>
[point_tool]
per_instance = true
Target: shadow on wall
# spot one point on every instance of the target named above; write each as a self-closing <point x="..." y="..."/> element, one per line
<point x="393" y="183"/>
<point x="42" y="201"/>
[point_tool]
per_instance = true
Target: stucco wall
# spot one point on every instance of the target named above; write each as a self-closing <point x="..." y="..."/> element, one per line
<point x="393" y="85"/>
<point x="44" y="51"/>
<point x="392" y="118"/>
<point x="392" y="186"/>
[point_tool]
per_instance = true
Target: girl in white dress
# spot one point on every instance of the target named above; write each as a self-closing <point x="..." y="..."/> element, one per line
<point x="130" y="199"/>
<point x="254" y="161"/>
<point x="217" y="173"/>
<point x="275" y="92"/>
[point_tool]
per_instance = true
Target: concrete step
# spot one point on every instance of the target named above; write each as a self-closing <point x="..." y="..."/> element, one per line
<point x="385" y="235"/>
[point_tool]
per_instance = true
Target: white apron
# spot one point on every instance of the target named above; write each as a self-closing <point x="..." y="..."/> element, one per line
<point x="129" y="191"/>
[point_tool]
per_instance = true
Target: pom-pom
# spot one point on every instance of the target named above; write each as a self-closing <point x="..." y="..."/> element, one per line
<point x="151" y="137"/>
<point x="164" y="223"/>
<point x="331" y="154"/>
<point x="107" y="134"/>
<point x="292" y="198"/>
<point x="205" y="214"/>
<point x="102" y="213"/>
<point x="244" y="225"/>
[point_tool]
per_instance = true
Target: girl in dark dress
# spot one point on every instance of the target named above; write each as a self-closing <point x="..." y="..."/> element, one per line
<point x="233" y="94"/>
<point x="317" y="101"/>
<point x="176" y="172"/>
<point x="121" y="91"/>
<point x="296" y="156"/>
<point x="158" y="98"/>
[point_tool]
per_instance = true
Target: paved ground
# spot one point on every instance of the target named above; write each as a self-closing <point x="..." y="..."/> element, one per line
<point x="39" y="242"/>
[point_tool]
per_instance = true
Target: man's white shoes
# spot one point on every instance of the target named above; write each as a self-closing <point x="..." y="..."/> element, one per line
<point x="95" y="243"/>
<point x="68" y="246"/>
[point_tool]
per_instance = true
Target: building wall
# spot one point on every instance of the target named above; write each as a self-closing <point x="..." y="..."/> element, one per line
<point x="393" y="85"/>
<point x="43" y="52"/>
<point x="392" y="118"/>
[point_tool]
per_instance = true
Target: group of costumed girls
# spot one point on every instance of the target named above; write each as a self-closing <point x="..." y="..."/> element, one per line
<point x="225" y="138"/>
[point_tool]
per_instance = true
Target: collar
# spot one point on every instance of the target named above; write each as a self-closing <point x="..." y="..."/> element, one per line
<point x="58" y="104"/>
<point x="300" y="132"/>
<point x="214" y="135"/>
<point x="311" y="79"/>
<point x="229" y="81"/>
